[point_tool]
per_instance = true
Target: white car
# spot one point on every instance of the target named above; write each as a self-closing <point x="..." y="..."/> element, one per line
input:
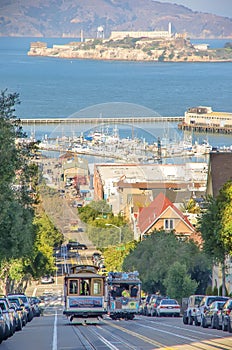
<point x="47" y="280"/>
<point x="168" y="307"/>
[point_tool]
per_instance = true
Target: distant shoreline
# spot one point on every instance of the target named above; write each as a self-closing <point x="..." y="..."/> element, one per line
<point x="141" y="49"/>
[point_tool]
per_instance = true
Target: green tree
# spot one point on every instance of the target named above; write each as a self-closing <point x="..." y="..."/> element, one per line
<point x="96" y="209"/>
<point x="215" y="227"/>
<point x="17" y="233"/>
<point x="178" y="282"/>
<point x="154" y="256"/>
<point x="47" y="238"/>
<point x="18" y="180"/>
<point x="114" y="256"/>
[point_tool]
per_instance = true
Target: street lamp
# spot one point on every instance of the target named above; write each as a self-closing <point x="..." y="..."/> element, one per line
<point x="120" y="231"/>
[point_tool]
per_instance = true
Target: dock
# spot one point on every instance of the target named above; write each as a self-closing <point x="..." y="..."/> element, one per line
<point x="205" y="128"/>
<point x="111" y="120"/>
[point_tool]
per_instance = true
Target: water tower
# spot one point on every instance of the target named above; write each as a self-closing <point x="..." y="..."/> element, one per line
<point x="100" y="32"/>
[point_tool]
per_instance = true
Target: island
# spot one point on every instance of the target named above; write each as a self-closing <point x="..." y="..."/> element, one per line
<point x="162" y="46"/>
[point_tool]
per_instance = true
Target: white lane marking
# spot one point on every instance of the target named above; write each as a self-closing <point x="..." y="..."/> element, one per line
<point x="54" y="341"/>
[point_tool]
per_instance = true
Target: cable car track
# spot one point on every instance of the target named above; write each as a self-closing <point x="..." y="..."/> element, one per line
<point x="91" y="337"/>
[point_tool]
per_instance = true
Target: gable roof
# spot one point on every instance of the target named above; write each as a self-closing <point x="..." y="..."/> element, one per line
<point x="149" y="215"/>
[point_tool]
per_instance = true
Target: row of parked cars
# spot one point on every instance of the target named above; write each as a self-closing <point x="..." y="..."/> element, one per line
<point x="15" y="311"/>
<point x="156" y="305"/>
<point x="209" y="311"/>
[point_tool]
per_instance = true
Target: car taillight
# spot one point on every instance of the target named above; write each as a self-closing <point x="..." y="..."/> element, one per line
<point x="176" y="306"/>
<point x="205" y="309"/>
<point x="228" y="312"/>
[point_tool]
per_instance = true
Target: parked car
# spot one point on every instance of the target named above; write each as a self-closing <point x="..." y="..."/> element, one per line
<point x="16" y="300"/>
<point x="48" y="279"/>
<point x="143" y="309"/>
<point x="26" y="303"/>
<point x="17" y="317"/>
<point x="168" y="307"/>
<point x="225" y="316"/>
<point x="154" y="301"/>
<point x="35" y="306"/>
<point x="8" y="317"/>
<point x="210" y="317"/>
<point x="2" y="326"/>
<point x="192" y="305"/>
<point x="204" y="306"/>
<point x="230" y="321"/>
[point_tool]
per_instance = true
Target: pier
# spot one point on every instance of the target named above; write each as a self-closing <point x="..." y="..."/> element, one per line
<point x="205" y="128"/>
<point x="98" y="120"/>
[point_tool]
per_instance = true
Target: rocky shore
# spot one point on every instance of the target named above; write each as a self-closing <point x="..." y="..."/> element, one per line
<point x="131" y="49"/>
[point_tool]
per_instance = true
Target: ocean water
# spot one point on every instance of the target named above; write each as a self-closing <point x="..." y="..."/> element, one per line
<point x="52" y="87"/>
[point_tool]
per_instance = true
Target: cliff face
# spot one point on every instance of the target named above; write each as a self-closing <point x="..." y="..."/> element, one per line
<point x="131" y="49"/>
<point x="46" y="18"/>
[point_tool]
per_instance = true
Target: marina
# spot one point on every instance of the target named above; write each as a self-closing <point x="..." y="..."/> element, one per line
<point x="102" y="144"/>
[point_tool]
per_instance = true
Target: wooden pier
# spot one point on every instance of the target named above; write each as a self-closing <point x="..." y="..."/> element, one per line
<point x="205" y="128"/>
<point x="112" y="120"/>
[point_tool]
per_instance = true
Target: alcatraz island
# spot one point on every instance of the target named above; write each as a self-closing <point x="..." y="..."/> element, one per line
<point x="160" y="46"/>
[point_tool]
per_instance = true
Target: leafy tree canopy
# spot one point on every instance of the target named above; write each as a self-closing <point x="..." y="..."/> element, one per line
<point x="154" y="256"/>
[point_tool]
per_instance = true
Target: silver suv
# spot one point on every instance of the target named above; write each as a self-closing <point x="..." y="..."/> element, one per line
<point x="154" y="301"/>
<point x="192" y="305"/>
<point x="204" y="305"/>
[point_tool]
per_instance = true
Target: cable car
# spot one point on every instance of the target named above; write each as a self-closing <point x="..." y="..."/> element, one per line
<point x="124" y="295"/>
<point x="85" y="295"/>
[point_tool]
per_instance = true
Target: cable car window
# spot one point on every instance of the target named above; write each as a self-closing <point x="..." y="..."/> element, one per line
<point x="85" y="286"/>
<point x="97" y="289"/>
<point x="73" y="286"/>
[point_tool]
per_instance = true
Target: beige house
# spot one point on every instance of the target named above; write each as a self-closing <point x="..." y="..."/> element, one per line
<point x="163" y="214"/>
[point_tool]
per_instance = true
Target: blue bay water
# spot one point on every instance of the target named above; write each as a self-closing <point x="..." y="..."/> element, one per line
<point x="52" y="87"/>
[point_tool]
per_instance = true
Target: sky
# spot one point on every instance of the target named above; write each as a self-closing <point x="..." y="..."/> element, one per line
<point x="218" y="7"/>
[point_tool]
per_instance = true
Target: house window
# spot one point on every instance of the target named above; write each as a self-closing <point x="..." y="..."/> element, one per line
<point x="168" y="224"/>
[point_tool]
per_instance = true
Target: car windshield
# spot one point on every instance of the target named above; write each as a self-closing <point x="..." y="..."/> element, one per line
<point x="220" y="305"/>
<point x="23" y="298"/>
<point x="198" y="300"/>
<point x="14" y="300"/>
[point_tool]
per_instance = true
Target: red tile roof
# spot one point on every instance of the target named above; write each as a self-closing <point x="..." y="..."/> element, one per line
<point x="149" y="215"/>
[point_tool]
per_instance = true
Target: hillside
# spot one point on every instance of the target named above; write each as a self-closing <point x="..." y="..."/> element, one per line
<point x="56" y="18"/>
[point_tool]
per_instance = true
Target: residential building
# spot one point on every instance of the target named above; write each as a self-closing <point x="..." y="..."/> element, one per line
<point x="162" y="214"/>
<point x="117" y="183"/>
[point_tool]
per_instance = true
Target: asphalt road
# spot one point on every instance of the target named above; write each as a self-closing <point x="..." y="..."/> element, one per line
<point x="52" y="331"/>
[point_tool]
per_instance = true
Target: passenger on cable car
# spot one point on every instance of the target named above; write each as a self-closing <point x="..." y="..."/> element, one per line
<point x="114" y="292"/>
<point x="134" y="291"/>
<point x="125" y="293"/>
<point x="85" y="287"/>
